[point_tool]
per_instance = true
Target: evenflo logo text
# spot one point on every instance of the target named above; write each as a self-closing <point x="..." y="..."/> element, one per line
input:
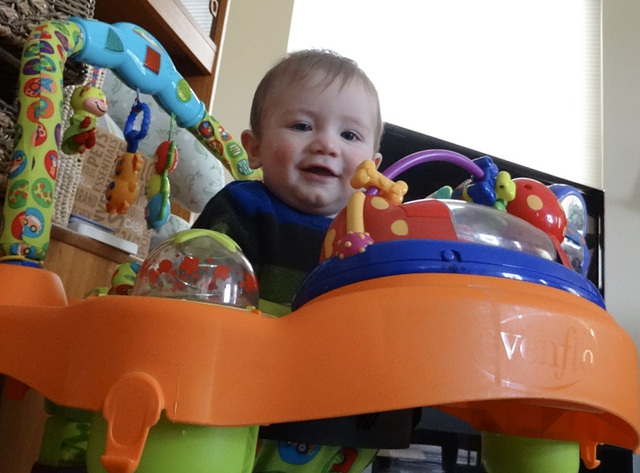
<point x="540" y="352"/>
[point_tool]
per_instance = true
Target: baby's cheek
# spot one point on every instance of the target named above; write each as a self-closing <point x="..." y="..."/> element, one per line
<point x="283" y="153"/>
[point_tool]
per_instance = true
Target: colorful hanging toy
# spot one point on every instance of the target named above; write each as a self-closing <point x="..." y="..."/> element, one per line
<point x="124" y="48"/>
<point x="122" y="192"/>
<point x="157" y="189"/>
<point x="89" y="103"/>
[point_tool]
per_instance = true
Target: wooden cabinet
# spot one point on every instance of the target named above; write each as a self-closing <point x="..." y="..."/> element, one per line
<point x="193" y="51"/>
<point x="82" y="263"/>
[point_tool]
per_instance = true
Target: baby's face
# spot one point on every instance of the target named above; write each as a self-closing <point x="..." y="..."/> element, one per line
<point x="313" y="138"/>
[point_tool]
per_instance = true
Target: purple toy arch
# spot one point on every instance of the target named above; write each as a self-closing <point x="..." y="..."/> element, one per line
<point x="427" y="156"/>
<point x="431" y="155"/>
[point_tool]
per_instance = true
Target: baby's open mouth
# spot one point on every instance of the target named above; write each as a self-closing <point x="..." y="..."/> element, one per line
<point x="320" y="171"/>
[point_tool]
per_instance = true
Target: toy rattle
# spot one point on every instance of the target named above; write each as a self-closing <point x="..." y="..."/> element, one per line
<point x="88" y="103"/>
<point x="122" y="192"/>
<point x="157" y="189"/>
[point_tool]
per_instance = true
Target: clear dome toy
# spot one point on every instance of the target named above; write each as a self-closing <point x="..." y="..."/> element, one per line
<point x="199" y="265"/>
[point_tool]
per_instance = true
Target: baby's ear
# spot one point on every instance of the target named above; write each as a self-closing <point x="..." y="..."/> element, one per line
<point x="251" y="144"/>
<point x="377" y="160"/>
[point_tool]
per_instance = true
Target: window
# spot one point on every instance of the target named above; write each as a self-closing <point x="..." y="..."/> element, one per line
<point x="517" y="80"/>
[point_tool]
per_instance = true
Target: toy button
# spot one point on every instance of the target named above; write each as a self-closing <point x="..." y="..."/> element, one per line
<point x="450" y="255"/>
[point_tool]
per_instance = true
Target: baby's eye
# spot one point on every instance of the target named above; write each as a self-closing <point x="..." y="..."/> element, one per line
<point x="349" y="135"/>
<point x="301" y="126"/>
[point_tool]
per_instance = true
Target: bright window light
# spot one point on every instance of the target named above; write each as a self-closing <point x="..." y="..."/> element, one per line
<point x="516" y="80"/>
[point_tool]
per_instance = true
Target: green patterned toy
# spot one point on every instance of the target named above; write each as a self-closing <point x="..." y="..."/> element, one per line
<point x="135" y="56"/>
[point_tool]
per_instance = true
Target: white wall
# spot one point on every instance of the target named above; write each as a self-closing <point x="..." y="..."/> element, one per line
<point x="621" y="163"/>
<point x="621" y="115"/>
<point x="256" y="37"/>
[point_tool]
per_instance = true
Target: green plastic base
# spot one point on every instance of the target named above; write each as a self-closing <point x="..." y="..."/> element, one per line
<point x="180" y="447"/>
<point x="509" y="454"/>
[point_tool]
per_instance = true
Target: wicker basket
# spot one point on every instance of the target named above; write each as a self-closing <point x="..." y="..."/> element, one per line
<point x="7" y="129"/>
<point x="17" y="19"/>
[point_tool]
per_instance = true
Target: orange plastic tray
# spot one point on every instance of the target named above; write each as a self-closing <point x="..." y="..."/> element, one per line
<point x="505" y="355"/>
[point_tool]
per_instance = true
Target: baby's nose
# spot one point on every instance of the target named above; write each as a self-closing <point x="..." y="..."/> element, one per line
<point x="326" y="143"/>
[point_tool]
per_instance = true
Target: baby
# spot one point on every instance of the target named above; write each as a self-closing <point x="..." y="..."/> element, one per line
<point x="315" y="118"/>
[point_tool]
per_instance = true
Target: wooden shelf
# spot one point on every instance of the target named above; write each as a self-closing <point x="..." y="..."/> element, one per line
<point x="192" y="50"/>
<point x="82" y="263"/>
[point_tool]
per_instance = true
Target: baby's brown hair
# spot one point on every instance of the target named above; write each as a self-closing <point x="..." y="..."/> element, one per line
<point x="304" y="65"/>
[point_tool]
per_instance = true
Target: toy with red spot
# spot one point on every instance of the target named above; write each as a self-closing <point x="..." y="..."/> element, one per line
<point x="537" y="204"/>
<point x="88" y="103"/>
<point x="157" y="189"/>
<point x="198" y="265"/>
<point x="379" y="215"/>
<point x="386" y="221"/>
<point x="123" y="278"/>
